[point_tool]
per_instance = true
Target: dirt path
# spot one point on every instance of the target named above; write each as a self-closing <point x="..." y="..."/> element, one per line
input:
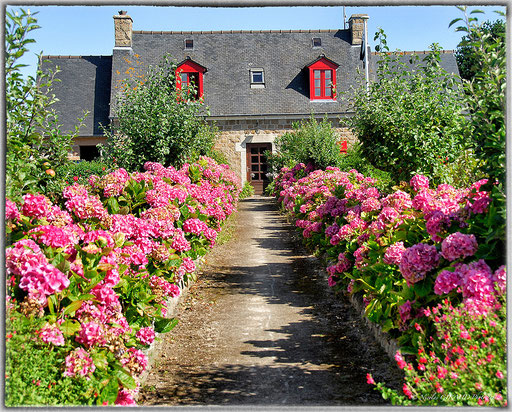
<point x="261" y="327"/>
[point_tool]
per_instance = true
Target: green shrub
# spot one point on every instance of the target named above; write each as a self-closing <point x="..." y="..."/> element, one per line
<point x="310" y="142"/>
<point x="409" y="119"/>
<point x="247" y="191"/>
<point x="153" y="122"/>
<point x="80" y="171"/>
<point x="35" y="144"/>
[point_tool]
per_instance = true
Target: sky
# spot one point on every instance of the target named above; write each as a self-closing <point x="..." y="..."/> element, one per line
<point x="89" y="30"/>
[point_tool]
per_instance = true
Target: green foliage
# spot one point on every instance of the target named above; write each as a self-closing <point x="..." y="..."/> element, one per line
<point x="247" y="191"/>
<point x="80" y="171"/>
<point x="310" y="142"/>
<point x="35" y="143"/>
<point x="485" y="95"/>
<point x="467" y="61"/>
<point x="33" y="369"/>
<point x="154" y="122"/>
<point x="411" y="117"/>
<point x="354" y="159"/>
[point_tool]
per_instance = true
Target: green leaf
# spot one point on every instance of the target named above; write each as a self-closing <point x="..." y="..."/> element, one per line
<point x="109" y="392"/>
<point x="124" y="377"/>
<point x="72" y="307"/>
<point x="70" y="327"/>
<point x="165" y="325"/>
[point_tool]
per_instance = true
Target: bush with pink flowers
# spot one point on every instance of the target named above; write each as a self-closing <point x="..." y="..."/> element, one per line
<point x="92" y="276"/>
<point x="402" y="252"/>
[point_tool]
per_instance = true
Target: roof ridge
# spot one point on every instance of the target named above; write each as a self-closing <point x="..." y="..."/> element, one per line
<point x="54" y="56"/>
<point x="407" y="53"/>
<point x="234" y="31"/>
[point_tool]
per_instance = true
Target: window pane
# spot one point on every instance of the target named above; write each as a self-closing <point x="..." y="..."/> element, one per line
<point x="317" y="82"/>
<point x="328" y="91"/>
<point x="318" y="92"/>
<point x="254" y="150"/>
<point x="255" y="168"/>
<point x="316" y="74"/>
<point x="327" y="74"/>
<point x="263" y="149"/>
<point x="263" y="168"/>
<point x="184" y="77"/>
<point x="255" y="159"/>
<point x="257" y="77"/>
<point x="256" y="176"/>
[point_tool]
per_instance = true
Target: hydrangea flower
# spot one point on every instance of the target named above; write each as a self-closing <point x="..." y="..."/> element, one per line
<point x="459" y="245"/>
<point x="417" y="261"/>
<point x="393" y="254"/>
<point x="146" y="335"/>
<point x="79" y="362"/>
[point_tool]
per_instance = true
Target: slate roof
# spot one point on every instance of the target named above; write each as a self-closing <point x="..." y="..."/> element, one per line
<point x="229" y="56"/>
<point x="84" y="86"/>
<point x="448" y="60"/>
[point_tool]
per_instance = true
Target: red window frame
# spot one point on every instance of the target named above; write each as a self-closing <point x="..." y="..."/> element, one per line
<point x="194" y="72"/>
<point x="322" y="78"/>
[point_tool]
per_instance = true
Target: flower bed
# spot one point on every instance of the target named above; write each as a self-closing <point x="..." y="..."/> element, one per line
<point x="88" y="282"/>
<point x="404" y="253"/>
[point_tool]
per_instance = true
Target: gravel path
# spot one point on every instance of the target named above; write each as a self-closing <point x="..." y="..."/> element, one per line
<point x="261" y="327"/>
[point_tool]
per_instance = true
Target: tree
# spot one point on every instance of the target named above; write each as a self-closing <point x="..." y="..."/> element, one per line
<point x="467" y="61"/>
<point x="411" y="119"/>
<point x="156" y="122"/>
<point x="35" y="144"/>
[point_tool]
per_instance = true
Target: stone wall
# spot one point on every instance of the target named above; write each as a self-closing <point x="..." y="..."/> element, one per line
<point x="235" y="134"/>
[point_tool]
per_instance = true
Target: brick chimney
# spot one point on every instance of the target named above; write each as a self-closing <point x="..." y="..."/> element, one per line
<point x="123" y="29"/>
<point x="356" y="26"/>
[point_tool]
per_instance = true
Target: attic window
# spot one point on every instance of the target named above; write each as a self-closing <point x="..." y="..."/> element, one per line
<point x="189" y="44"/>
<point x="317" y="42"/>
<point x="322" y="79"/>
<point x="257" y="78"/>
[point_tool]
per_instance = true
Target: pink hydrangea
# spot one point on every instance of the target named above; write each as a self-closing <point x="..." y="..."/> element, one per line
<point x="11" y="210"/>
<point x="169" y="289"/>
<point x="195" y="226"/>
<point x="90" y="334"/>
<point x="51" y="334"/>
<point x="179" y="242"/>
<point x="370" y="204"/>
<point x="417" y="261"/>
<point x="79" y="362"/>
<point x="188" y="265"/>
<point x="146" y="335"/>
<point x="459" y="245"/>
<point x="53" y="236"/>
<point x="134" y="360"/>
<point x="405" y="314"/>
<point x="393" y="254"/>
<point x="436" y="223"/>
<point x="446" y="281"/>
<point x="125" y="398"/>
<point x="500" y="278"/>
<point x="37" y="206"/>
<point x="419" y="182"/>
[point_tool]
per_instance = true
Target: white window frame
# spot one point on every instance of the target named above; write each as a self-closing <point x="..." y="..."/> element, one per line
<point x="257" y="85"/>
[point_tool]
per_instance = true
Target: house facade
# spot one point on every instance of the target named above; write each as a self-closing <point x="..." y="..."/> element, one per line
<point x="255" y="83"/>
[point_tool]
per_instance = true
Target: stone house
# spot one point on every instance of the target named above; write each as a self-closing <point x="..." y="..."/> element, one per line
<point x="256" y="83"/>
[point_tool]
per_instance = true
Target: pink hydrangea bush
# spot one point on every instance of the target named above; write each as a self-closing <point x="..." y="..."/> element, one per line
<point x="397" y="244"/>
<point x="100" y="267"/>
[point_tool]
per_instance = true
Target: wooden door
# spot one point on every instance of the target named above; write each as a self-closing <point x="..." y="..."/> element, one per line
<point x="257" y="166"/>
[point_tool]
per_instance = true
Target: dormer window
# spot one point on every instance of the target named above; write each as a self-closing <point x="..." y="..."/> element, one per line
<point x="257" y="78"/>
<point x="322" y="79"/>
<point x="317" y="42"/>
<point x="189" y="44"/>
<point x="189" y="76"/>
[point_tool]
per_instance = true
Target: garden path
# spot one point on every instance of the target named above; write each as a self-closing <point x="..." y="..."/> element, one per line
<point x="261" y="327"/>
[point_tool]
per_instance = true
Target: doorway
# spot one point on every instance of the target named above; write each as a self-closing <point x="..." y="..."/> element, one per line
<point x="257" y="166"/>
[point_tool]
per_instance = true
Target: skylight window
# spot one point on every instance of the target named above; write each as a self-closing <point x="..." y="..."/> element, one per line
<point x="317" y="42"/>
<point x="257" y="78"/>
<point x="189" y="44"/>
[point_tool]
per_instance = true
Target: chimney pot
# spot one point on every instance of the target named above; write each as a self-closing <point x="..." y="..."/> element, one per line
<point x="356" y="27"/>
<point x="123" y="29"/>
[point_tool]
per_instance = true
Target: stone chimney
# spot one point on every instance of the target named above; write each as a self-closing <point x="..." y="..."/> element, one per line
<point x="123" y="29"/>
<point x="356" y="26"/>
